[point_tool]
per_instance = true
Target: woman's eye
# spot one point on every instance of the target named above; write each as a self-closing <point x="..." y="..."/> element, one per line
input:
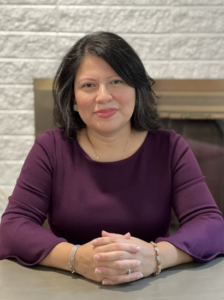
<point x="117" y="81"/>
<point x="88" y="85"/>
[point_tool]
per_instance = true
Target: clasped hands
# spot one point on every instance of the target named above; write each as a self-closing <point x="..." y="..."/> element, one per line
<point x="107" y="259"/>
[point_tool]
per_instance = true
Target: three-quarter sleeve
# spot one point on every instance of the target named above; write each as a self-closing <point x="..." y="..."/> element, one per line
<point x="22" y="235"/>
<point x="201" y="232"/>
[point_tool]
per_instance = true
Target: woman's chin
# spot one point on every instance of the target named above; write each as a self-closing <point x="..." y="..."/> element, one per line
<point x="111" y="128"/>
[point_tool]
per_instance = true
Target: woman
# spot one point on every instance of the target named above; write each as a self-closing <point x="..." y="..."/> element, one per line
<point x="109" y="167"/>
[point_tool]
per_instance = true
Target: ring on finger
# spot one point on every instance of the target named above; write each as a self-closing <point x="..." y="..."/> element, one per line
<point x="129" y="271"/>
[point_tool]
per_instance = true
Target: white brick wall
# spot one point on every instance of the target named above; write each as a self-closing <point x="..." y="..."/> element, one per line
<point x="174" y="38"/>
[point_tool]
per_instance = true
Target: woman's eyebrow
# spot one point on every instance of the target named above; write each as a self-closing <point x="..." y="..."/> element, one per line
<point x="93" y="79"/>
<point x="86" y="78"/>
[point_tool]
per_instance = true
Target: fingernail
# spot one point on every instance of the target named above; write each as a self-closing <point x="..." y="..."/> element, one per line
<point x="98" y="271"/>
<point x="105" y="282"/>
<point x="94" y="242"/>
<point x="137" y="248"/>
<point x="140" y="275"/>
<point x="96" y="257"/>
<point x="138" y="263"/>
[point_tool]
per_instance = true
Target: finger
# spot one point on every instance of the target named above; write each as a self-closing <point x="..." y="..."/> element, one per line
<point x="119" y="264"/>
<point x="122" y="278"/>
<point x="129" y="248"/>
<point x="127" y="236"/>
<point x="114" y="255"/>
<point x="104" y="271"/>
<point x="111" y="239"/>
<point x="108" y="234"/>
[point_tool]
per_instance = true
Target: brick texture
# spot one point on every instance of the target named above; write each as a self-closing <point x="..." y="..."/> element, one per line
<point x="197" y="48"/>
<point x="15" y="148"/>
<point x="23" y="72"/>
<point x="197" y="70"/>
<point x="121" y="20"/>
<point x="39" y="2"/>
<point x="27" y="19"/>
<point x="115" y="2"/>
<point x="198" y="20"/>
<point x="198" y="2"/>
<point x="21" y="123"/>
<point x="6" y="192"/>
<point x="28" y="46"/>
<point x="16" y="98"/>
<point x="9" y="172"/>
<point x="3" y="201"/>
<point x="152" y="48"/>
<point x="158" y="69"/>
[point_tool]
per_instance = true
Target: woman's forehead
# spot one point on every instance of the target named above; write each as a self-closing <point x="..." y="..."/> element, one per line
<point x="93" y="66"/>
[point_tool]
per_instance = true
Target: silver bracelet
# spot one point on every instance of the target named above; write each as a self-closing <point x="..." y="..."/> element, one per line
<point x="71" y="258"/>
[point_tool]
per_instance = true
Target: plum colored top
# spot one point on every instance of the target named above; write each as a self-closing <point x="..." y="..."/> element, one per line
<point x="81" y="197"/>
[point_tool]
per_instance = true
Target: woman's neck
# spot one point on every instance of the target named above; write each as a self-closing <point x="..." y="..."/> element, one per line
<point x="111" y="147"/>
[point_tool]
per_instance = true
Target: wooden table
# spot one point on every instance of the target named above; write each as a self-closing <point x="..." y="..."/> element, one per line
<point x="191" y="281"/>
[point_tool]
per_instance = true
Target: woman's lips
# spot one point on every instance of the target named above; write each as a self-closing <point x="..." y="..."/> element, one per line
<point x="106" y="113"/>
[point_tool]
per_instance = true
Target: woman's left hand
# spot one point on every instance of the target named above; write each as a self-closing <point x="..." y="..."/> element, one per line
<point x="117" y="263"/>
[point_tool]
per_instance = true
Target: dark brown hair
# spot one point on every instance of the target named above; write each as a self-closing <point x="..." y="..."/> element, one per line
<point x="126" y="63"/>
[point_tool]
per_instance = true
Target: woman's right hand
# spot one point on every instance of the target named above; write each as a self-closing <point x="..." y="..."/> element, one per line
<point x="84" y="262"/>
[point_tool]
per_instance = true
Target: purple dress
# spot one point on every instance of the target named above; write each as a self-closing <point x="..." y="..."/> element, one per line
<point x="81" y="197"/>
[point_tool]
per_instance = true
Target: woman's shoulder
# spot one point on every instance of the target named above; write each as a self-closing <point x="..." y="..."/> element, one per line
<point x="165" y="135"/>
<point x="50" y="137"/>
<point x="52" y="145"/>
<point x="167" y="141"/>
<point x="54" y="142"/>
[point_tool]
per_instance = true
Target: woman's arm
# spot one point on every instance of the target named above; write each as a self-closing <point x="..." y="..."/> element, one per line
<point x="58" y="257"/>
<point x="22" y="235"/>
<point x="201" y="232"/>
<point x="85" y="260"/>
<point x="172" y="256"/>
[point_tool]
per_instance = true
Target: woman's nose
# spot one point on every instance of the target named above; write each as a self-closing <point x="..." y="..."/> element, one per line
<point x="103" y="94"/>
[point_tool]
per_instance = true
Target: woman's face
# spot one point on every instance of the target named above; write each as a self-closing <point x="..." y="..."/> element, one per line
<point x="105" y="102"/>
